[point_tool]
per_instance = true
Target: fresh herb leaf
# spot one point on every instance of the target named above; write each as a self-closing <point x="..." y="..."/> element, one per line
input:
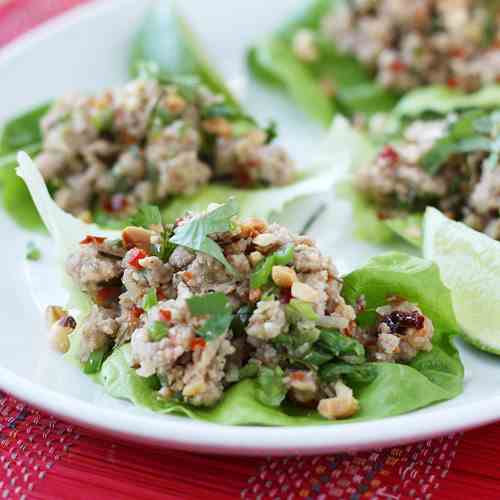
<point x="147" y="216"/>
<point x="226" y="110"/>
<point x="157" y="331"/>
<point x="271" y="132"/>
<point x="250" y="370"/>
<point x="352" y="374"/>
<point x="341" y="346"/>
<point x="298" y="310"/>
<point x="262" y="273"/>
<point x="23" y="130"/>
<point x="218" y="309"/>
<point x="473" y="131"/>
<point x="240" y="320"/>
<point x="33" y="252"/>
<point x="317" y="357"/>
<point x="150" y="299"/>
<point x="271" y="389"/>
<point x="194" y="234"/>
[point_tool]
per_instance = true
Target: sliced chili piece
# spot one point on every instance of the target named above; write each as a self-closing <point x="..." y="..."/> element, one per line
<point x="136" y="312"/>
<point x="198" y="343"/>
<point x="89" y="239"/>
<point x="165" y="315"/>
<point x="136" y="255"/>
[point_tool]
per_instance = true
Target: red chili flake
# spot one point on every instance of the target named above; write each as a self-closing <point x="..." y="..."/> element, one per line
<point x="136" y="255"/>
<point x="397" y="66"/>
<point x="136" y="312"/>
<point x="458" y="52"/>
<point x="165" y="315"/>
<point x="160" y="294"/>
<point x="108" y="294"/>
<point x="97" y="240"/>
<point x="285" y="295"/>
<point x="117" y="203"/>
<point x="389" y="154"/>
<point x="198" y="342"/>
<point x="298" y="376"/>
<point x="398" y="321"/>
<point x="452" y="82"/>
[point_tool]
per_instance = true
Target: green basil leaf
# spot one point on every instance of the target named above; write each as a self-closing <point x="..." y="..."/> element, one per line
<point x="271" y="389"/>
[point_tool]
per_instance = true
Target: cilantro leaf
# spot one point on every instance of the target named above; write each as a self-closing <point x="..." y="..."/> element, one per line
<point x="146" y="216"/>
<point x="218" y="309"/>
<point x="150" y="299"/>
<point x="471" y="132"/>
<point x="194" y="234"/>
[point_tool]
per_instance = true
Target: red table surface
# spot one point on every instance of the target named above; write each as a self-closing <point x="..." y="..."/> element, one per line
<point x="42" y="457"/>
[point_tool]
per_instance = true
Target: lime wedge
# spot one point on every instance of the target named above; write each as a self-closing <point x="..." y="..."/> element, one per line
<point x="469" y="262"/>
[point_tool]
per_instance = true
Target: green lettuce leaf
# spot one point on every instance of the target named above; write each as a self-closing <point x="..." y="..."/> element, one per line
<point x="274" y="63"/>
<point x="395" y="389"/>
<point x="166" y="39"/>
<point x="442" y="100"/>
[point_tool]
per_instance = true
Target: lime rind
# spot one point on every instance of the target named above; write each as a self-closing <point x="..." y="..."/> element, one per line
<point x="469" y="263"/>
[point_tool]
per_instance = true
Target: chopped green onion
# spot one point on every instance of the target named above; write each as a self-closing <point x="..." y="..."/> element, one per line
<point x="297" y="310"/>
<point x="150" y="299"/>
<point x="95" y="361"/>
<point x="158" y="331"/>
<point x="262" y="273"/>
<point x="342" y="346"/>
<point x="271" y="389"/>
<point x="352" y="374"/>
<point x="33" y="252"/>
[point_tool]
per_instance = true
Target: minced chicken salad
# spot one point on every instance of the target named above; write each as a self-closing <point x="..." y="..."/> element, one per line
<point x="414" y="43"/>
<point x="148" y="140"/>
<point x="241" y="299"/>
<point x="450" y="163"/>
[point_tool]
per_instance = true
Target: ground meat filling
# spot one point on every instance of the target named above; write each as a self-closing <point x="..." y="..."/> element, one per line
<point x="410" y="44"/>
<point x="282" y="310"/>
<point x="146" y="141"/>
<point x="465" y="186"/>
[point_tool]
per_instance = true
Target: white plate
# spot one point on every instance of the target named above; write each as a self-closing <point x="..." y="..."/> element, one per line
<point x="87" y="49"/>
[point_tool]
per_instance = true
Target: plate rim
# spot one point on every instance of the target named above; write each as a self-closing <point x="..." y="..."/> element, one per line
<point x="197" y="435"/>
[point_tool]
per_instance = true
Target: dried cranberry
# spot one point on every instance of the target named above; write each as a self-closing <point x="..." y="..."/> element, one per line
<point x="108" y="294"/>
<point x="389" y="154"/>
<point x="117" y="203"/>
<point x="285" y="295"/>
<point x="397" y="66"/>
<point x="398" y="321"/>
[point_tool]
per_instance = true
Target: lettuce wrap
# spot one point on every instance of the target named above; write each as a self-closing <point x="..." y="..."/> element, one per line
<point x="395" y="388"/>
<point x="165" y="48"/>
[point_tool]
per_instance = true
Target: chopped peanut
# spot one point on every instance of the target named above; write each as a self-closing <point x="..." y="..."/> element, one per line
<point x="252" y="227"/>
<point x="53" y="314"/>
<point x="59" y="333"/>
<point x="265" y="240"/>
<point x="218" y="126"/>
<point x="255" y="258"/>
<point x="175" y="103"/>
<point x="343" y="405"/>
<point x="137" y="237"/>
<point x="283" y="276"/>
<point x="304" y="292"/>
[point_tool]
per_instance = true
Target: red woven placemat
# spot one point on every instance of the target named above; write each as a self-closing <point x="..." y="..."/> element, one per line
<point x="42" y="457"/>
